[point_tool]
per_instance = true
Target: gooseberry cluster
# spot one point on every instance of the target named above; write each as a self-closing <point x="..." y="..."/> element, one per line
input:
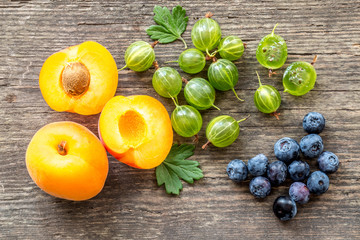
<point x="298" y="79"/>
<point x="287" y="151"/>
<point x="199" y="93"/>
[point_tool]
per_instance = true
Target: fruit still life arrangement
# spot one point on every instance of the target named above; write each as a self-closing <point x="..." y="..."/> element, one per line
<point x="67" y="160"/>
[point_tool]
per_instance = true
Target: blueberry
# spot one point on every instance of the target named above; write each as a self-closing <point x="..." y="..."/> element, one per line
<point x="318" y="182"/>
<point x="237" y="170"/>
<point x="284" y="208"/>
<point x="287" y="150"/>
<point x="260" y="187"/>
<point x="277" y="172"/>
<point x="314" y="122"/>
<point x="258" y="165"/>
<point x="328" y="162"/>
<point x="311" y="145"/>
<point x="299" y="192"/>
<point x="299" y="170"/>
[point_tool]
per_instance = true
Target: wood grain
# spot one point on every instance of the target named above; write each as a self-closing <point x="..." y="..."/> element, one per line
<point x="131" y="206"/>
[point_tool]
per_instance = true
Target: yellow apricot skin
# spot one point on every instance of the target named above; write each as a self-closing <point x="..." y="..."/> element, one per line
<point x="95" y="64"/>
<point x="136" y="130"/>
<point x="68" y="161"/>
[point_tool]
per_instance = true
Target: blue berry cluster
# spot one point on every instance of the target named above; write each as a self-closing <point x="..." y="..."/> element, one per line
<point x="288" y="165"/>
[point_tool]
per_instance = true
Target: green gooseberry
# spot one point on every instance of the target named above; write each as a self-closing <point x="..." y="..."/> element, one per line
<point x="222" y="131"/>
<point x="206" y="34"/>
<point x="192" y="61"/>
<point x="200" y="94"/>
<point x="186" y="120"/>
<point x="272" y="51"/>
<point x="223" y="75"/>
<point x="231" y="48"/>
<point x="299" y="78"/>
<point x="167" y="82"/>
<point x="139" y="56"/>
<point x="267" y="99"/>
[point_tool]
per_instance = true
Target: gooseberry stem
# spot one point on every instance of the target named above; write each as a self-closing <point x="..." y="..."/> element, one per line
<point x="183" y="41"/>
<point x="209" y="15"/>
<point x="205" y="145"/>
<point x="207" y="52"/>
<point x="215" y="52"/>
<point x="258" y="78"/>
<point x="245" y="44"/>
<point x="172" y="61"/>
<point x="314" y="60"/>
<point x="216" y="107"/>
<point x="271" y="72"/>
<point x="154" y="44"/>
<point x="241" y="120"/>
<point x="174" y="100"/>
<point x="156" y="65"/>
<point x="196" y="140"/>
<point x="122" y="68"/>
<point x="184" y="80"/>
<point x="275" y="114"/>
<point x="237" y="95"/>
<point x="272" y="33"/>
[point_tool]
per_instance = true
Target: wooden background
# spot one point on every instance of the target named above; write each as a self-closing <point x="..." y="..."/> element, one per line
<point x="131" y="206"/>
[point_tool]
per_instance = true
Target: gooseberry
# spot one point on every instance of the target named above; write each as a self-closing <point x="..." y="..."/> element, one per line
<point x="206" y="34"/>
<point x="223" y="75"/>
<point x="167" y="82"/>
<point x="231" y="48"/>
<point x="299" y="78"/>
<point x="139" y="56"/>
<point x="272" y="51"/>
<point x="192" y="61"/>
<point x="267" y="99"/>
<point x="186" y="120"/>
<point x="222" y="131"/>
<point x="200" y="94"/>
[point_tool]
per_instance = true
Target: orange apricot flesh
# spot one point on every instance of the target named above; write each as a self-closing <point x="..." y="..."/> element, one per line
<point x="79" y="79"/>
<point x="67" y="160"/>
<point x="136" y="130"/>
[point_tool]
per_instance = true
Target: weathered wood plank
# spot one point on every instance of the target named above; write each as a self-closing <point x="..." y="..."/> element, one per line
<point x="131" y="206"/>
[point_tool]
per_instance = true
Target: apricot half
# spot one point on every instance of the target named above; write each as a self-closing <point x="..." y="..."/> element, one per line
<point x="79" y="79"/>
<point x="67" y="160"/>
<point x="136" y="130"/>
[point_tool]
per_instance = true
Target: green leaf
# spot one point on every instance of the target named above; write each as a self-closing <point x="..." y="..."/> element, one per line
<point x="176" y="167"/>
<point x="170" y="24"/>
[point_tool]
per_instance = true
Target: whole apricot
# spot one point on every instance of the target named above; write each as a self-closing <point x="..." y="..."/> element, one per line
<point x="67" y="160"/>
<point x="79" y="79"/>
<point x="136" y="130"/>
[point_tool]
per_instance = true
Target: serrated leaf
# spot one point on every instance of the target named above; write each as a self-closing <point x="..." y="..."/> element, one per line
<point x="160" y="33"/>
<point x="176" y="167"/>
<point x="170" y="24"/>
<point x="173" y="184"/>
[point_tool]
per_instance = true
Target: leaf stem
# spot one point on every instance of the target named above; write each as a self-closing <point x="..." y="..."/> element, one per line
<point x="241" y="120"/>
<point x="183" y="41"/>
<point x="237" y="95"/>
<point x="122" y="68"/>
